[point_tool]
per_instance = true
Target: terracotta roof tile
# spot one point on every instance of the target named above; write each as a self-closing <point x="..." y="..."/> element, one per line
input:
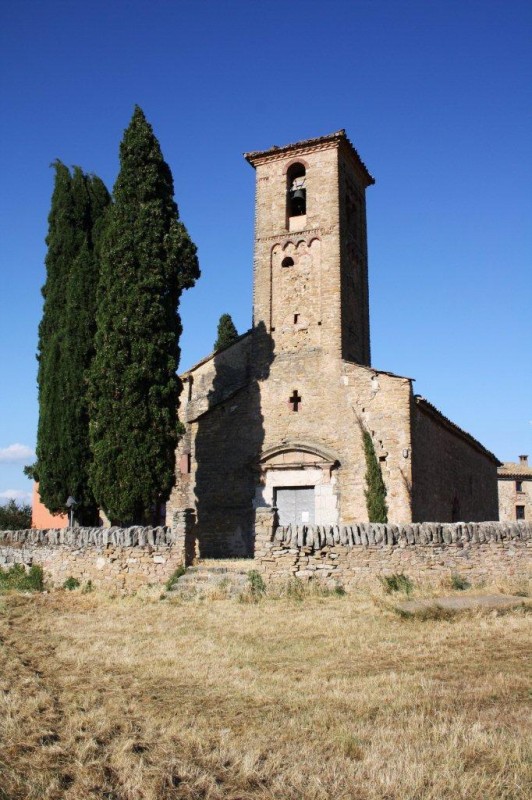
<point x="512" y="469"/>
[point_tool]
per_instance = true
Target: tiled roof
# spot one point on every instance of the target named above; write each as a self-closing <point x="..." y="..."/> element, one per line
<point x="511" y="469"/>
<point x="337" y="136"/>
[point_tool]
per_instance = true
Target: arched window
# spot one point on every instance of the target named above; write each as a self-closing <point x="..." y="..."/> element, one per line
<point x="296" y="193"/>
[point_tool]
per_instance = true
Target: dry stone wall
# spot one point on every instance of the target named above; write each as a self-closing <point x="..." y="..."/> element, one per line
<point x="115" y="559"/>
<point x="427" y="552"/>
<point x="123" y="560"/>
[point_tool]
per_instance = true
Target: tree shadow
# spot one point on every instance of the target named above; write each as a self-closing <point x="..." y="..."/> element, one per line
<point x="228" y="445"/>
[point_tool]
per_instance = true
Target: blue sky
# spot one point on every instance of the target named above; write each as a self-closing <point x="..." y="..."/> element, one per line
<point x="434" y="94"/>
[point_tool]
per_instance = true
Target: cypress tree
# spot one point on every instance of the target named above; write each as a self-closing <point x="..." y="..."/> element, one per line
<point x="227" y="333"/>
<point x="91" y="201"/>
<point x="375" y="491"/>
<point x="61" y="252"/>
<point x="78" y="203"/>
<point x="147" y="259"/>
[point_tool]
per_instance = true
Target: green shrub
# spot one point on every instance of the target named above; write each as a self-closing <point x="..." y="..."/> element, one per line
<point x="375" y="491"/>
<point x="296" y="589"/>
<point x="398" y="582"/>
<point x="173" y="579"/>
<point x="257" y="587"/>
<point x="14" y="517"/>
<point x="339" y="591"/>
<point x="16" y="577"/>
<point x="71" y="583"/>
<point x="459" y="583"/>
<point x="88" y="588"/>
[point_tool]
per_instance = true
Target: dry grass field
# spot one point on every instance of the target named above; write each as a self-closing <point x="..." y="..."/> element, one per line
<point x="326" y="698"/>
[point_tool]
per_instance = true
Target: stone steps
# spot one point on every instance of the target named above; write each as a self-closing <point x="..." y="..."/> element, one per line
<point x="209" y="577"/>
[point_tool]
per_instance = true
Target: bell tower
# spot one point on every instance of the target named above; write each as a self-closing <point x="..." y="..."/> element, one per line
<point x="310" y="262"/>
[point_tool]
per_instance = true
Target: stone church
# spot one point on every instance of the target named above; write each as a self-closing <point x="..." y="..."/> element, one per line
<point x="277" y="418"/>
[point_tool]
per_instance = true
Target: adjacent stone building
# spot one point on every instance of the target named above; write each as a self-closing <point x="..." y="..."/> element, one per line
<point x="515" y="490"/>
<point x="277" y="418"/>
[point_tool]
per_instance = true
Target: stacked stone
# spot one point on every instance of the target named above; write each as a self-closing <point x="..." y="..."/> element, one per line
<point x="368" y="534"/>
<point x="426" y="551"/>
<point x="121" y="559"/>
<point x="137" y="536"/>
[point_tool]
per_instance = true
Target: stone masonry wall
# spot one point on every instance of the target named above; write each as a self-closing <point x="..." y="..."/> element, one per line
<point x="114" y="559"/>
<point x="510" y="497"/>
<point x="123" y="560"/>
<point x="452" y="478"/>
<point x="428" y="552"/>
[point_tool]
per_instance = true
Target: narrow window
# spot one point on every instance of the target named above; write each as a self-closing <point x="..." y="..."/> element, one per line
<point x="455" y="513"/>
<point x="295" y="400"/>
<point x="296" y="193"/>
<point x="519" y="486"/>
<point x="519" y="512"/>
<point x="296" y="318"/>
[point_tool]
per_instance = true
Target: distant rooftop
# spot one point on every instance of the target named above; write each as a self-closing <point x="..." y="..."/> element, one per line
<point x="338" y="136"/>
<point x="520" y="469"/>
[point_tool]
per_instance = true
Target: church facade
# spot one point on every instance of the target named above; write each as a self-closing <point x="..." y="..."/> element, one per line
<point x="277" y="418"/>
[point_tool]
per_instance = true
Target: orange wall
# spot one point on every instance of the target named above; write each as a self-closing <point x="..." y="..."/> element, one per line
<point x="41" y="517"/>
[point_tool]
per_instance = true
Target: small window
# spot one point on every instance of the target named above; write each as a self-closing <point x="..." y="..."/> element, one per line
<point x="295" y="400"/>
<point x="296" y="192"/>
<point x="519" y="512"/>
<point x="287" y="262"/>
<point x="519" y="486"/>
<point x="185" y="464"/>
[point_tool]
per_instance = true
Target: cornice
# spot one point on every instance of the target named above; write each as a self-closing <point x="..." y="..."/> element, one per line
<point x="336" y="140"/>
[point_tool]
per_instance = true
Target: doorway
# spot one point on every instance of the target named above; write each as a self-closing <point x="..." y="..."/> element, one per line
<point x="295" y="505"/>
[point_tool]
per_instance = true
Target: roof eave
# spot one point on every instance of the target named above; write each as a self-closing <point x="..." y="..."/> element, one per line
<point x="340" y="138"/>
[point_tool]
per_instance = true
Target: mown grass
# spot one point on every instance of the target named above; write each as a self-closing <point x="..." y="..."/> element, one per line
<point x="318" y="697"/>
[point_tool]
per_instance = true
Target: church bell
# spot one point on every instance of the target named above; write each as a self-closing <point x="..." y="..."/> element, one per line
<point x="298" y="201"/>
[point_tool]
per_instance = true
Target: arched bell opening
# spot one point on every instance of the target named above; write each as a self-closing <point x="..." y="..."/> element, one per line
<point x="296" y="192"/>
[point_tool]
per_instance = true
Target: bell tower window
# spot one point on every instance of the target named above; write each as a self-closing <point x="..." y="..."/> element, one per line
<point x="296" y="193"/>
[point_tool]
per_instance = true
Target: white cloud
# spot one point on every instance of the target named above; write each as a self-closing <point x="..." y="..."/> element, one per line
<point x="16" y="452"/>
<point x="15" y="494"/>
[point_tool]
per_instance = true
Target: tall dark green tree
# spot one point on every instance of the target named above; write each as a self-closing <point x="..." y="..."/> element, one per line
<point x="227" y="333"/>
<point x="147" y="259"/>
<point x="91" y="200"/>
<point x="66" y="335"/>
<point x="375" y="491"/>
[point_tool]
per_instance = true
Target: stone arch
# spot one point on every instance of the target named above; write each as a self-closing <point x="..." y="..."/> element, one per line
<point x="295" y="161"/>
<point x="303" y="446"/>
<point x="301" y="465"/>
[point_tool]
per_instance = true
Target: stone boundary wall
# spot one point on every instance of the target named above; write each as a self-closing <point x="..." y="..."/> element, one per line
<point x="124" y="559"/>
<point x="115" y="559"/>
<point x="428" y="552"/>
